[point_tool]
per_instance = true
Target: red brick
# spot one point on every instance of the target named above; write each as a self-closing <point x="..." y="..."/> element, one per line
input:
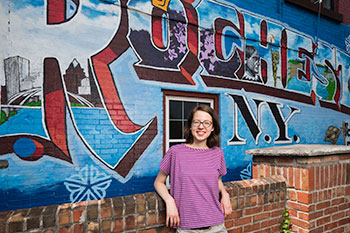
<point x="292" y="195"/>
<point x="302" y="223"/>
<point x="338" y="201"/>
<point x="305" y="180"/>
<point x="300" y="206"/>
<point x="304" y="216"/>
<point x="293" y="213"/>
<point x="255" y="171"/>
<point x="261" y="216"/>
<point x="140" y="221"/>
<point x="336" y="171"/>
<point x="330" y="210"/>
<point x="317" y="180"/>
<point x="339" y="176"/>
<point x="78" y="228"/>
<point x="290" y="176"/>
<point x="236" y="230"/>
<point x="273" y="170"/>
<point x="331" y="175"/>
<point x="323" y="220"/>
<point x="269" y="222"/>
<point x="311" y="178"/>
<point x="228" y="224"/>
<point x="267" y="230"/>
<point x="118" y="225"/>
<point x="151" y="219"/>
<point x="252" y="210"/>
<point x="65" y="229"/>
<point x="330" y="226"/>
<point x="260" y="199"/>
<point x="285" y="173"/>
<point x="251" y="227"/>
<point x="235" y="214"/>
<point x="344" y="206"/>
<point x="243" y="221"/>
<point x="267" y="171"/>
<point x="277" y="213"/>
<point x="339" y="230"/>
<point x="106" y="226"/>
<point x="315" y="215"/>
<point x="304" y="197"/>
<point x="347" y="190"/>
<point x="323" y="205"/>
<point x="106" y="208"/>
<point x="317" y="230"/>
<point x="297" y="178"/>
<point x="261" y="170"/>
<point x="322" y="176"/>
<point x="338" y="215"/>
<point x="344" y="221"/>
<point x="129" y="222"/>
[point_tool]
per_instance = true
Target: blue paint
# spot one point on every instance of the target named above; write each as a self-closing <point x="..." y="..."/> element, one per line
<point x="24" y="147"/>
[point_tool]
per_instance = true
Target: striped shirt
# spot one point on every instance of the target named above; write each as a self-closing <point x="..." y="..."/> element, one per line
<point x="194" y="185"/>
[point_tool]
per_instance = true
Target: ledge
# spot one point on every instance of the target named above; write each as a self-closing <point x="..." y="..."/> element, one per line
<point x="300" y="150"/>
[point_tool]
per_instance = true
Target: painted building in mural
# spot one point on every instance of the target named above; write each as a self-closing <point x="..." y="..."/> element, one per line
<point x="94" y="92"/>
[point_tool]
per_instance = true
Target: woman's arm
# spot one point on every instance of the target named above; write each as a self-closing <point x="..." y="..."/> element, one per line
<point x="172" y="215"/>
<point x="226" y="206"/>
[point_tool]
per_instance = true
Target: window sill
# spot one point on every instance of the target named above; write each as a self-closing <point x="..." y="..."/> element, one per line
<point x="314" y="8"/>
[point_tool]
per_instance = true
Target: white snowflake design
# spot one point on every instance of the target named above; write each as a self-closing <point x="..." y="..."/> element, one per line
<point x="89" y="184"/>
<point x="347" y="43"/>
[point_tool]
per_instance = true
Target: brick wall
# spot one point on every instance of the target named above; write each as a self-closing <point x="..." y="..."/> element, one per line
<point x="318" y="184"/>
<point x="257" y="204"/>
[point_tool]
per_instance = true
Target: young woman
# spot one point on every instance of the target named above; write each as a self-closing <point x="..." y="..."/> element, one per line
<point x="195" y="169"/>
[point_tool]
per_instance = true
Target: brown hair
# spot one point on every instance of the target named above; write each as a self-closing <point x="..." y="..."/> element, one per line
<point x="213" y="139"/>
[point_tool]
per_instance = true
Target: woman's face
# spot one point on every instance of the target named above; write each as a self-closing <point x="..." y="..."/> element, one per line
<point x="201" y="127"/>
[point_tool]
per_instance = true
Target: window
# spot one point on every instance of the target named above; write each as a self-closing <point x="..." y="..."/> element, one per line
<point x="177" y="107"/>
<point x="328" y="4"/>
<point x="329" y="8"/>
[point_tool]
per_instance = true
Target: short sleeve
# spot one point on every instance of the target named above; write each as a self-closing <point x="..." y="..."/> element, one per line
<point x="165" y="165"/>
<point x="222" y="169"/>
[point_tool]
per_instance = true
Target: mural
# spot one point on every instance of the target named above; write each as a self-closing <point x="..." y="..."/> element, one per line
<point x="82" y="81"/>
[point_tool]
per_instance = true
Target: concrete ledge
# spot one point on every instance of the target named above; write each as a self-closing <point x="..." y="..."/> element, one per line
<point x="301" y="150"/>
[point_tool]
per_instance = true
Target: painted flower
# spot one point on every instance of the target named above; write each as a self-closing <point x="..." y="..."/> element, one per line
<point x="172" y="54"/>
<point x="89" y="184"/>
<point x="211" y="67"/>
<point x="182" y="48"/>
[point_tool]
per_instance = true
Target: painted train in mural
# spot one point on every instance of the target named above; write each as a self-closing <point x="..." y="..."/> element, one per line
<point x="82" y="91"/>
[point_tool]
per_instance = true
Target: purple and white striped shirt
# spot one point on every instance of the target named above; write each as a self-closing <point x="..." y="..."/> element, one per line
<point x="194" y="185"/>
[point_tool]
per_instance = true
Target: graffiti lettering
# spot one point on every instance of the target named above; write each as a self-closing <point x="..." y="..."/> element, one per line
<point x="253" y="123"/>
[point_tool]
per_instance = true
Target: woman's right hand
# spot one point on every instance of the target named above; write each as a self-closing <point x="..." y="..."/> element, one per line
<point x="172" y="215"/>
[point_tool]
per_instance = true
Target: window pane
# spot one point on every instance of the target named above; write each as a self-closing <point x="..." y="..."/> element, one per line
<point x="188" y="108"/>
<point x="175" y="109"/>
<point x="176" y="129"/>
<point x="174" y="143"/>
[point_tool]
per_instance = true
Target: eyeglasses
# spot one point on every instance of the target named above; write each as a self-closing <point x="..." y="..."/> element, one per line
<point x="197" y="123"/>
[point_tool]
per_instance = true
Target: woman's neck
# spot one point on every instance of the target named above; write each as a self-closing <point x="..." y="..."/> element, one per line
<point x="200" y="145"/>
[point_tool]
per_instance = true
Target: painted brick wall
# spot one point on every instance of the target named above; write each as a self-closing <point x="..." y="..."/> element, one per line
<point x="257" y="204"/>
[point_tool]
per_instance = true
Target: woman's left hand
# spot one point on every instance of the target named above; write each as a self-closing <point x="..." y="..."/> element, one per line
<point x="226" y="206"/>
